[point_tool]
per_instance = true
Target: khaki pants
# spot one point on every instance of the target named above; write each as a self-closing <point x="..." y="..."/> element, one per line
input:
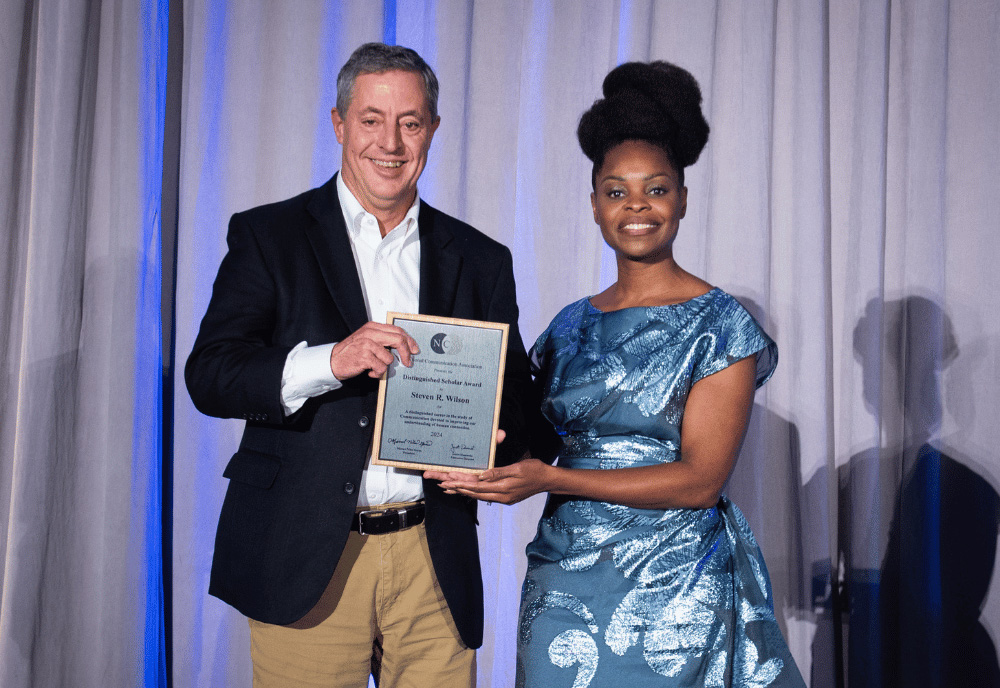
<point x="383" y="606"/>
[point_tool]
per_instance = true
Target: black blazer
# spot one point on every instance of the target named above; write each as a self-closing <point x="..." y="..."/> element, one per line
<point x="290" y="276"/>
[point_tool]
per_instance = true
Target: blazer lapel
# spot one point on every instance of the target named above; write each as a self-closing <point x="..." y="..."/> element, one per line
<point x="439" y="267"/>
<point x="329" y="240"/>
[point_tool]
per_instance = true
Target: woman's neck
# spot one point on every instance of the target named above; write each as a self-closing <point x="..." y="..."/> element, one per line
<point x="644" y="284"/>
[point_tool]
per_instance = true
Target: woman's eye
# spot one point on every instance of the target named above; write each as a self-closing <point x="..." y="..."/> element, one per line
<point x="615" y="193"/>
<point x="657" y="191"/>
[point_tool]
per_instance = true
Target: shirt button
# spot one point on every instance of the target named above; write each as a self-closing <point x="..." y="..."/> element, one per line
<point x="348" y="488"/>
<point x="363" y="422"/>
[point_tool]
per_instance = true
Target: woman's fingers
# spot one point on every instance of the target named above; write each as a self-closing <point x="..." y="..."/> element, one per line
<point x="506" y="484"/>
<point x="451" y="477"/>
<point x="500" y="497"/>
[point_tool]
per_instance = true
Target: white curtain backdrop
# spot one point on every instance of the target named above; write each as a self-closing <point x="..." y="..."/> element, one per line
<point x="81" y="602"/>
<point x="848" y="195"/>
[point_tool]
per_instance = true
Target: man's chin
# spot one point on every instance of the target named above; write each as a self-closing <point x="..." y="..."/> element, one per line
<point x="392" y="196"/>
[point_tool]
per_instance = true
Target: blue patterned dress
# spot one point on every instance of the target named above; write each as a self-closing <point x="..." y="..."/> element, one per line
<point x="625" y="597"/>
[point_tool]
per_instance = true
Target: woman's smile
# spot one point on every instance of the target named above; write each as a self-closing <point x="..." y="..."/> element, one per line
<point x="639" y="227"/>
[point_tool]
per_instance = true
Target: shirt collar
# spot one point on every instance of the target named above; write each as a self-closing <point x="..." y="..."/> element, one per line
<point x="354" y="213"/>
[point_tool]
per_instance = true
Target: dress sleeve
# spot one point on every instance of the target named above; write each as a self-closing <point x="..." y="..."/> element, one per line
<point x="734" y="336"/>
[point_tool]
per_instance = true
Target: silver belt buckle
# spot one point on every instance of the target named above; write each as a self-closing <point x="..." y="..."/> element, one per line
<point x="392" y="514"/>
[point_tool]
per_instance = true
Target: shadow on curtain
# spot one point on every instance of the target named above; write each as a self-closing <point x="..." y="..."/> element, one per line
<point x="916" y="619"/>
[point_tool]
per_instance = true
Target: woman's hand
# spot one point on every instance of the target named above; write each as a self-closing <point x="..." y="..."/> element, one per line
<point x="507" y="484"/>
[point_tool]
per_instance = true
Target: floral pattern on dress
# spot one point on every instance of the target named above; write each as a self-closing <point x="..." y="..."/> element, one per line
<point x="616" y="595"/>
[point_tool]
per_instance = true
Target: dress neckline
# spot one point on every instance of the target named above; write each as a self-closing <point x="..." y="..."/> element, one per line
<point x="665" y="305"/>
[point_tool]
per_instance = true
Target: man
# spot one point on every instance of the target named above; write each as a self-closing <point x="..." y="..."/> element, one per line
<point x="294" y="342"/>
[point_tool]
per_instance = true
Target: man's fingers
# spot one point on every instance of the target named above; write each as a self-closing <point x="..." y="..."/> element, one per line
<point x="414" y="347"/>
<point x="382" y="356"/>
<point x="377" y="361"/>
<point x="389" y="335"/>
<point x="396" y="338"/>
<point x="370" y="349"/>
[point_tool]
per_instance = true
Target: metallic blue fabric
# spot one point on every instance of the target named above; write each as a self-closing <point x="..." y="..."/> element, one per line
<point x="618" y="596"/>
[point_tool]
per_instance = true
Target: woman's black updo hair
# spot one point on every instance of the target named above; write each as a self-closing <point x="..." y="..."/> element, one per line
<point x="657" y="102"/>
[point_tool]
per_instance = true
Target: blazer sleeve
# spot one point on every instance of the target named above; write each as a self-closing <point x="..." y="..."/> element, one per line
<point x="234" y="370"/>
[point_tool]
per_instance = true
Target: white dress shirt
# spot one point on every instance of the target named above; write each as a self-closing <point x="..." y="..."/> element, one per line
<point x="389" y="269"/>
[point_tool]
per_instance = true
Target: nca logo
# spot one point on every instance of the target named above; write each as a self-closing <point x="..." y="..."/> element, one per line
<point x="442" y="343"/>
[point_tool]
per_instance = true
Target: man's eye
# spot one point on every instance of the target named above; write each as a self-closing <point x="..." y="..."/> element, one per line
<point x="411" y="125"/>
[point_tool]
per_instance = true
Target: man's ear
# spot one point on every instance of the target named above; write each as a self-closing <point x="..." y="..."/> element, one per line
<point x="338" y="125"/>
<point x="433" y="128"/>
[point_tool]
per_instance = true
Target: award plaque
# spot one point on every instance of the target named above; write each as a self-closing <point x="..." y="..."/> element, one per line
<point x="442" y="413"/>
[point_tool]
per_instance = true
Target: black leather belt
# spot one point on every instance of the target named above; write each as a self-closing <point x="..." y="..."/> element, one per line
<point x="381" y="521"/>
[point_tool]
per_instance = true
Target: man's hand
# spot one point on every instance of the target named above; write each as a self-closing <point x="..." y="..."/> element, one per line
<point x="370" y="348"/>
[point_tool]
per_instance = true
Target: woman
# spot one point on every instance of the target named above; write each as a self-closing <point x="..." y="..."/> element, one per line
<point x="641" y="572"/>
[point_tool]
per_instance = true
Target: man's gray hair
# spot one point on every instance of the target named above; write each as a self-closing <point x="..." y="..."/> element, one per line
<point x="377" y="58"/>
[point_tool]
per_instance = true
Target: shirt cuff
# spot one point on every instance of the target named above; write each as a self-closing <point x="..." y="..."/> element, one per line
<point x="306" y="374"/>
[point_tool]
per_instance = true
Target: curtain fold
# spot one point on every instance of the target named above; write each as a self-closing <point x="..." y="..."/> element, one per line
<point x="81" y="601"/>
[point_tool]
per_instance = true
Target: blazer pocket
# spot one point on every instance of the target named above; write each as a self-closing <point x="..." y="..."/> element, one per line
<point x="253" y="468"/>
